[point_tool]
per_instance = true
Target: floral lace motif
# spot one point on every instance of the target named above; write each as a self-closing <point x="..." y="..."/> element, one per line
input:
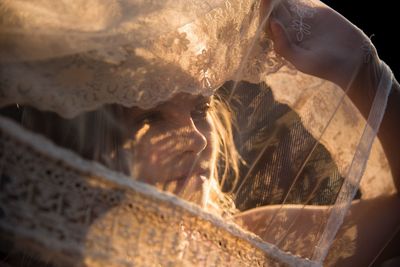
<point x="195" y="58"/>
<point x="301" y="12"/>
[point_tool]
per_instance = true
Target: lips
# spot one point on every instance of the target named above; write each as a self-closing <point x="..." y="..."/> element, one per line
<point x="185" y="183"/>
<point x="186" y="177"/>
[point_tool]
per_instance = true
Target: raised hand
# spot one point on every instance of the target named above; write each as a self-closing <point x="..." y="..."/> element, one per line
<point x="317" y="40"/>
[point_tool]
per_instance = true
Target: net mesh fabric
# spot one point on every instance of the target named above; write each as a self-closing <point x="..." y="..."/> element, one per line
<point x="286" y="149"/>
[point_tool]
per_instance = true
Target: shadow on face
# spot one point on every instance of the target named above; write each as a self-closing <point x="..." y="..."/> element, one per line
<point x="171" y="146"/>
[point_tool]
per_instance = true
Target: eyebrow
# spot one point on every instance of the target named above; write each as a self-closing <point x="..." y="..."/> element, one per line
<point x="146" y="113"/>
<point x="203" y="99"/>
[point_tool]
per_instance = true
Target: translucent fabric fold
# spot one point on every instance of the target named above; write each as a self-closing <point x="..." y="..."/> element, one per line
<point x="184" y="133"/>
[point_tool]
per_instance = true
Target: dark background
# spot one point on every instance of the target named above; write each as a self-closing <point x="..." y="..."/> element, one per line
<point x="382" y="20"/>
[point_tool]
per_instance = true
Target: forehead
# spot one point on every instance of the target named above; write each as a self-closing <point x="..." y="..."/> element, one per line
<point x="178" y="101"/>
<point x="184" y="101"/>
<point x="185" y="98"/>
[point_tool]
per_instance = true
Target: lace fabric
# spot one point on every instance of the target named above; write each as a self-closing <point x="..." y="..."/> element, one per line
<point x="140" y="61"/>
<point x="185" y="133"/>
<point x="91" y="216"/>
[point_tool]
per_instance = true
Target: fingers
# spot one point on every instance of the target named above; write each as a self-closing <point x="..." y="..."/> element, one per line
<point x="282" y="44"/>
<point x="264" y="8"/>
<point x="282" y="41"/>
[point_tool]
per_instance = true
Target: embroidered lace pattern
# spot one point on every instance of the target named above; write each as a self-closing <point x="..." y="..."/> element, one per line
<point x="196" y="57"/>
<point x="73" y="212"/>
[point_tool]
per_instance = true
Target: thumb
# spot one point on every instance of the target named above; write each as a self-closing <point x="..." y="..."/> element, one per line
<point x="282" y="43"/>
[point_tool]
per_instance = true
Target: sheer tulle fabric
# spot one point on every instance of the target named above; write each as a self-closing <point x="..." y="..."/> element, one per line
<point x="175" y="133"/>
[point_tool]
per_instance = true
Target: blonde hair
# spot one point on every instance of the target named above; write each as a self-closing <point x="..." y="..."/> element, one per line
<point x="227" y="168"/>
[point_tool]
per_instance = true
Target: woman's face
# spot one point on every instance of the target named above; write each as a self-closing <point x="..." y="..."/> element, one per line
<point x="173" y="146"/>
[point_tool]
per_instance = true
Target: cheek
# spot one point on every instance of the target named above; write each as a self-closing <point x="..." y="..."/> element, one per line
<point x="149" y="143"/>
<point x="147" y="156"/>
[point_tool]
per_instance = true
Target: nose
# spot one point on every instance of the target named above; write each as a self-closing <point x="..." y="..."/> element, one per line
<point x="197" y="142"/>
<point x="192" y="139"/>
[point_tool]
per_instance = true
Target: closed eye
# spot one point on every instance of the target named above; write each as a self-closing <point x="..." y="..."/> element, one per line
<point x="149" y="118"/>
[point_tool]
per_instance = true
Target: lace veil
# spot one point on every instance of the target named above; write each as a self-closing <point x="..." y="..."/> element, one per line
<point x="288" y="139"/>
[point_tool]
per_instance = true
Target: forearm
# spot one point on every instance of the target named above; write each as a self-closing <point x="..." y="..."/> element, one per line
<point x="389" y="133"/>
<point x="362" y="93"/>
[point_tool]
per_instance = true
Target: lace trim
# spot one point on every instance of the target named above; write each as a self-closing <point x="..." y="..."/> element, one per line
<point x="81" y="211"/>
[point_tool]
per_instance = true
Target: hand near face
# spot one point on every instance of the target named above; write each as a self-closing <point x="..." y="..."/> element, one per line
<point x="317" y="40"/>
